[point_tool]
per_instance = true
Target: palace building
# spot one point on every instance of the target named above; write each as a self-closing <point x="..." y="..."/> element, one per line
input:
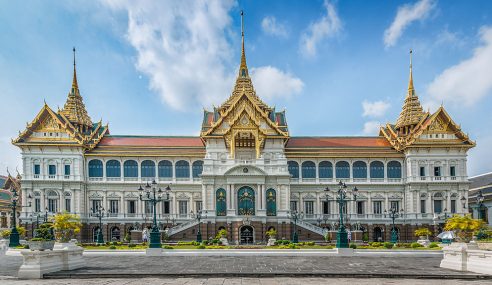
<point x="246" y="172"/>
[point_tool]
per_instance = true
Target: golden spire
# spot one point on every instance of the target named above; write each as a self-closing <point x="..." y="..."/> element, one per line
<point x="243" y="69"/>
<point x="412" y="111"/>
<point x="410" y="81"/>
<point x="74" y="108"/>
<point x="75" y="86"/>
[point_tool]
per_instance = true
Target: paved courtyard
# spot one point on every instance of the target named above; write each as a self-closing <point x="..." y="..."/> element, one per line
<point x="244" y="281"/>
<point x="207" y="268"/>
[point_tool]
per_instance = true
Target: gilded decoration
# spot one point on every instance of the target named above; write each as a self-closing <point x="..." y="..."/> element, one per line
<point x="243" y="113"/>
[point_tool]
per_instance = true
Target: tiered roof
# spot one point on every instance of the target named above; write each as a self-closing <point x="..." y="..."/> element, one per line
<point x="72" y="120"/>
<point x="416" y="128"/>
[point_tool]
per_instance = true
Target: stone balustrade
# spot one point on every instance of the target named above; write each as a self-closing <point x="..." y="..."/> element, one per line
<point x="467" y="257"/>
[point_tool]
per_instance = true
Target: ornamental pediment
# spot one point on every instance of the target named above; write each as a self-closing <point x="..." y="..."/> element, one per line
<point x="113" y="195"/>
<point x="131" y="195"/>
<point x="95" y="195"/>
<point x="378" y="196"/>
<point x="245" y="170"/>
<point x="309" y="196"/>
<point x="182" y="196"/>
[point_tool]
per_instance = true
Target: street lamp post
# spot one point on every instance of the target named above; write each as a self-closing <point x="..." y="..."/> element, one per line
<point x="296" y="216"/>
<point x="14" y="233"/>
<point x="99" y="213"/>
<point x="199" y="218"/>
<point x="154" y="196"/>
<point x="393" y="214"/>
<point x="342" y="199"/>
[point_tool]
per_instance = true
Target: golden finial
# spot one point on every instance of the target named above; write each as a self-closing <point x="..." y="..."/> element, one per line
<point x="410" y="81"/>
<point x="243" y="69"/>
<point x="74" y="81"/>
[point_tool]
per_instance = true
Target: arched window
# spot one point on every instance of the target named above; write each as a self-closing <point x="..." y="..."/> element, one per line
<point x="394" y="169"/>
<point x="325" y="169"/>
<point x="147" y="169"/>
<point x="359" y="169"/>
<point x="220" y="202"/>
<point x="165" y="169"/>
<point x="113" y="168"/>
<point x="115" y="234"/>
<point x="271" y="202"/>
<point x="293" y="169"/>
<point x="95" y="168"/>
<point x="377" y="169"/>
<point x="95" y="231"/>
<point x="308" y="169"/>
<point x="130" y="168"/>
<point x="197" y="168"/>
<point x="342" y="169"/>
<point x="182" y="169"/>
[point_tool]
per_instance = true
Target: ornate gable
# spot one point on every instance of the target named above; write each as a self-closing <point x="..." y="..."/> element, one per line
<point x="415" y="128"/>
<point x="244" y="118"/>
<point x="69" y="126"/>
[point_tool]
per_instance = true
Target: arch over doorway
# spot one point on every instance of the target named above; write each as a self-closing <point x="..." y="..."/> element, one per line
<point x="246" y="201"/>
<point x="246" y="235"/>
<point x="377" y="234"/>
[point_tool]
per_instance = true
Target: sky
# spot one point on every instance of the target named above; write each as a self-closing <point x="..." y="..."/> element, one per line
<point x="339" y="68"/>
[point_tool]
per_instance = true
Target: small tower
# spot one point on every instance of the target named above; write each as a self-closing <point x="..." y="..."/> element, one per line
<point x="74" y="108"/>
<point x="412" y="111"/>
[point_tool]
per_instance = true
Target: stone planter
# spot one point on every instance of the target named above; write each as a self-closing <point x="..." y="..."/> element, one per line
<point x="41" y="245"/>
<point x="224" y="241"/>
<point x="423" y="241"/>
<point x="271" y="242"/>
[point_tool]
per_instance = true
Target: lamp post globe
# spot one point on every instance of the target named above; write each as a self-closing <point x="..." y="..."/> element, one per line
<point x="342" y="199"/>
<point x="154" y="195"/>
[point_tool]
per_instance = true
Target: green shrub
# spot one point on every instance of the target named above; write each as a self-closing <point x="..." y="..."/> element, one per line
<point x="353" y="245"/>
<point x="388" y="245"/>
<point x="433" y="245"/>
<point x="416" y="245"/>
<point x="132" y="245"/>
<point x="286" y="242"/>
<point x="167" y="247"/>
<point x="115" y="243"/>
<point x="221" y="234"/>
<point x="365" y="237"/>
<point x="311" y="243"/>
<point x="195" y="243"/>
<point x="375" y="244"/>
<point x="201" y="246"/>
<point x="112" y="247"/>
<point x="215" y="241"/>
<point x="292" y="246"/>
<point x="108" y="243"/>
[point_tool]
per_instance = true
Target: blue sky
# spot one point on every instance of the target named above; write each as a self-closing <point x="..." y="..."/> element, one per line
<point x="338" y="67"/>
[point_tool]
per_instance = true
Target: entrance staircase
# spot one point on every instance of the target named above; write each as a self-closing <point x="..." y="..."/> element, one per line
<point x="315" y="229"/>
<point x="181" y="227"/>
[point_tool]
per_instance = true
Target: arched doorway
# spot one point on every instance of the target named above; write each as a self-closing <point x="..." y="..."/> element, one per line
<point x="115" y="234"/>
<point x="246" y="201"/>
<point x="377" y="234"/>
<point x="246" y="235"/>
<point x="95" y="231"/>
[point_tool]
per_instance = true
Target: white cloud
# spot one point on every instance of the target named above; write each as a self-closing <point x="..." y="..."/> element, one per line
<point x="405" y="16"/>
<point x="371" y="128"/>
<point x="271" y="82"/>
<point x="182" y="47"/>
<point x="375" y="109"/>
<point x="270" y="26"/>
<point x="468" y="81"/>
<point x="327" y="26"/>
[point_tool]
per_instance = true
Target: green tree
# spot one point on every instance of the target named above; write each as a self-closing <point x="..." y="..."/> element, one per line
<point x="66" y="226"/>
<point x="464" y="226"/>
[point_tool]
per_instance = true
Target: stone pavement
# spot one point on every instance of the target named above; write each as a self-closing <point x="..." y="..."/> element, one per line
<point x="210" y="267"/>
<point x="243" y="281"/>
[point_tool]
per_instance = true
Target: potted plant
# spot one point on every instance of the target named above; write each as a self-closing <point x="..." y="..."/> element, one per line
<point x="222" y="236"/>
<point x="43" y="239"/>
<point x="271" y="234"/>
<point x="66" y="226"/>
<point x="464" y="226"/>
<point x="423" y="234"/>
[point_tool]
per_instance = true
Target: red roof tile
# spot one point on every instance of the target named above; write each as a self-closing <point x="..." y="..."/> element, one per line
<point x="300" y="142"/>
<point x="151" y="141"/>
